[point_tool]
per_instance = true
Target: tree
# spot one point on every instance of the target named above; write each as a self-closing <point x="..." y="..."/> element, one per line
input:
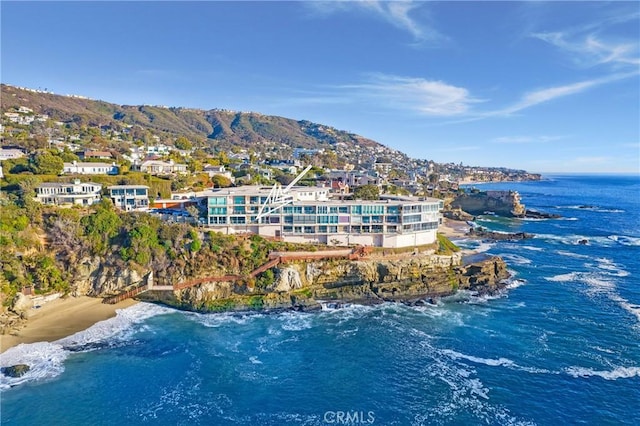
<point x="101" y="226"/>
<point x="220" y="181"/>
<point x="183" y="143"/>
<point x="367" y="192"/>
<point x="45" y="163"/>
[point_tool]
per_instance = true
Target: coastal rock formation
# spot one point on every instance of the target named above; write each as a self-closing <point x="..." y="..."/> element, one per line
<point x="502" y="203"/>
<point x="458" y="214"/>
<point x="287" y="279"/>
<point x="499" y="236"/>
<point x="534" y="214"/>
<point x="95" y="276"/>
<point x="17" y="370"/>
<point x="305" y="286"/>
<point x="21" y="304"/>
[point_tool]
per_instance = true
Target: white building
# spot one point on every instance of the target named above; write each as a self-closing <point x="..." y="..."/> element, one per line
<point x="307" y="214"/>
<point x="130" y="197"/>
<point x="80" y="168"/>
<point x="218" y="170"/>
<point x="158" y="167"/>
<point x="11" y="153"/>
<point x="78" y="193"/>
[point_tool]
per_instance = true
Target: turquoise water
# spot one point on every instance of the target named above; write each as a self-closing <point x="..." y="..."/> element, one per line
<point x="561" y="345"/>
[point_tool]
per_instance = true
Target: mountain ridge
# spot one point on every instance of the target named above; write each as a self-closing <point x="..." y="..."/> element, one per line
<point x="216" y="128"/>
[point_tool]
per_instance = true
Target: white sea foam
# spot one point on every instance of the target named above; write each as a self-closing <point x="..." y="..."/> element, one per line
<point x="616" y="373"/>
<point x="577" y="240"/>
<point x="597" y="209"/>
<point x="632" y="308"/>
<point x="515" y="283"/>
<point x="215" y="320"/>
<point x="515" y="259"/>
<point x="625" y="240"/>
<point x="254" y="360"/>
<point x="295" y="321"/>
<point x="118" y="328"/>
<point x="563" y="278"/>
<point x="571" y="254"/>
<point x="46" y="360"/>
<point x="601" y="281"/>
<point x="499" y="362"/>
<point x="486" y="361"/>
<point x="611" y="268"/>
<point x="532" y="248"/>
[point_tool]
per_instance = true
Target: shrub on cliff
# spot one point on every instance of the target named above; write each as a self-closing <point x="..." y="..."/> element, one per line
<point x="445" y="246"/>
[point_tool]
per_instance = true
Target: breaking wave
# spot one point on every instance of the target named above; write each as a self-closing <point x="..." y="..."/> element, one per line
<point x="46" y="359"/>
<point x="616" y="373"/>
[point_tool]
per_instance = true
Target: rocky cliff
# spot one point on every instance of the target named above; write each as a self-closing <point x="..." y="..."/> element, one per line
<point x="502" y="203"/>
<point x="305" y="285"/>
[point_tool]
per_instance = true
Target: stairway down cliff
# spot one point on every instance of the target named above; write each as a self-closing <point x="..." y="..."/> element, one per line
<point x="306" y="285"/>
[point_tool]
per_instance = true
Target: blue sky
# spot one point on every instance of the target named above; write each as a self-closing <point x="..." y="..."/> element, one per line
<point x="546" y="87"/>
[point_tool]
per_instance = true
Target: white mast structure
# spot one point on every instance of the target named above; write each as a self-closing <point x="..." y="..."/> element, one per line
<point x="279" y="197"/>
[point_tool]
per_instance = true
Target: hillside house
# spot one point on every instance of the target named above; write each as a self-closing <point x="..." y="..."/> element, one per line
<point x="129" y="197"/>
<point x="75" y="193"/>
<point x="10" y="153"/>
<point x="159" y="167"/>
<point x="80" y="168"/>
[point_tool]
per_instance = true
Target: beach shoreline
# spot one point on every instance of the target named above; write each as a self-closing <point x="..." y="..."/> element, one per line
<point x="451" y="228"/>
<point x="62" y="318"/>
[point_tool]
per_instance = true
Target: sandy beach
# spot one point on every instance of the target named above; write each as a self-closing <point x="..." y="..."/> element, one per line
<point x="453" y="228"/>
<point x="61" y="318"/>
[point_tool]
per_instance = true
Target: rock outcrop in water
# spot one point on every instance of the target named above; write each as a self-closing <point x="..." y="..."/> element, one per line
<point x="17" y="370"/>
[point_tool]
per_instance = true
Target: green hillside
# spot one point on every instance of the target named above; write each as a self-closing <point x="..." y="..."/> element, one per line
<point x="215" y="128"/>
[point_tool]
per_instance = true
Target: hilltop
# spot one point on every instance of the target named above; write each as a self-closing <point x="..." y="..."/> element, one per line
<point x="216" y="129"/>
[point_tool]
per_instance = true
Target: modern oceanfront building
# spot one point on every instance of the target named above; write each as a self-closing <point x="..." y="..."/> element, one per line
<point x="308" y="214"/>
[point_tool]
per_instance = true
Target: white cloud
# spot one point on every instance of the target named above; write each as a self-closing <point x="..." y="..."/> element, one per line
<point x="396" y="13"/>
<point x="590" y="50"/>
<point x="545" y="95"/>
<point x="427" y="97"/>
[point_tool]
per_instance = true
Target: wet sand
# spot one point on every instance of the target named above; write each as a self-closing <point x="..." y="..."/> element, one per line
<point x="61" y="318"/>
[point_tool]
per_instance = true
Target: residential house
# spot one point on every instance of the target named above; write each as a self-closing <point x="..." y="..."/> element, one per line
<point x="99" y="155"/>
<point x="74" y="193"/>
<point x="80" y="168"/>
<point x="129" y="197"/>
<point x="10" y="153"/>
<point x="212" y="170"/>
<point x="159" y="167"/>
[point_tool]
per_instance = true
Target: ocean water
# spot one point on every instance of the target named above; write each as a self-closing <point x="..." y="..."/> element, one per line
<point x="560" y="346"/>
